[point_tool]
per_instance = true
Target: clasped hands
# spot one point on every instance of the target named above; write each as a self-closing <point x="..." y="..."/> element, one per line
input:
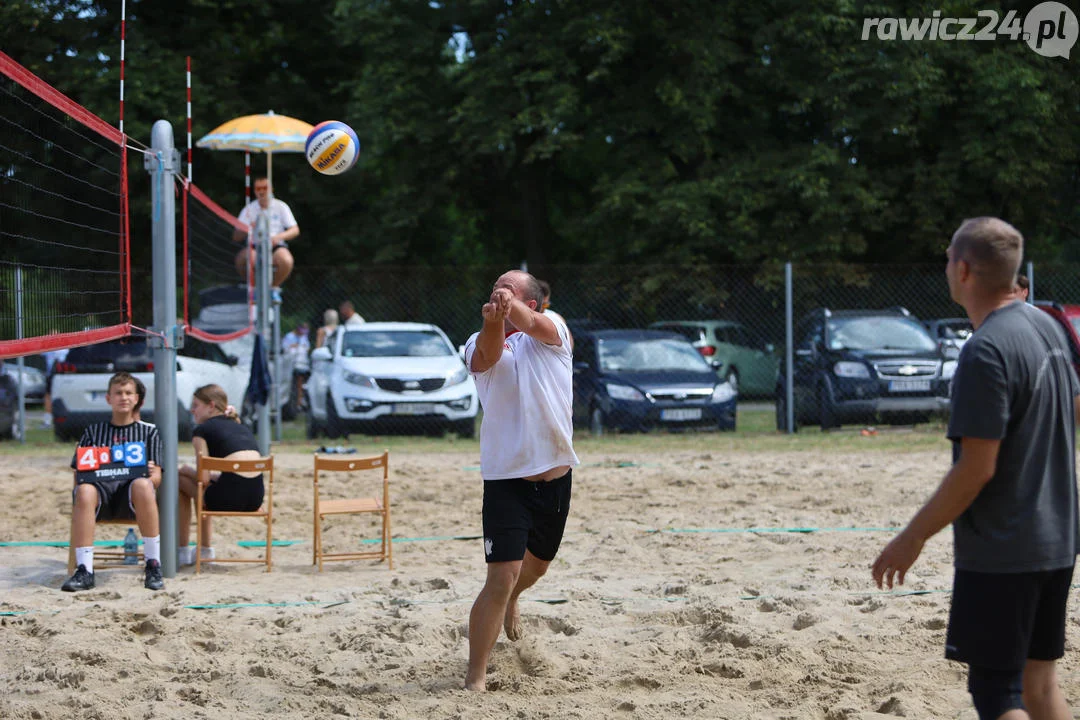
<point x="498" y="306"/>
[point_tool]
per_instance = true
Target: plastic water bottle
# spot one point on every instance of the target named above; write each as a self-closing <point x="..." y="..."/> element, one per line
<point x="131" y="548"/>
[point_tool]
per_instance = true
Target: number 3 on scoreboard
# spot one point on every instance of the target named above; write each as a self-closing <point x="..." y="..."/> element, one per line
<point x="134" y="454"/>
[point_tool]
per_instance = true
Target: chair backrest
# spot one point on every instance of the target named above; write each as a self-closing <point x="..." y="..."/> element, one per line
<point x="337" y="464"/>
<point x="256" y="465"/>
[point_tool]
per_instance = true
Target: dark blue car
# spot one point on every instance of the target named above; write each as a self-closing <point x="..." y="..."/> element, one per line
<point x="639" y="379"/>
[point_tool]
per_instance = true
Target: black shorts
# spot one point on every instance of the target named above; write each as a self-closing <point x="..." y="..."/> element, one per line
<point x="522" y="514"/>
<point x="114" y="500"/>
<point x="280" y="246"/>
<point x="234" y="493"/>
<point x="1000" y="620"/>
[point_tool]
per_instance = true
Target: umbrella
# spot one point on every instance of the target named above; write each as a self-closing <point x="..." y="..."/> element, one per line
<point x="267" y="133"/>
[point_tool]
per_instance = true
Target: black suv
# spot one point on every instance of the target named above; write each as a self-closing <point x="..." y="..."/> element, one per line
<point x="861" y="365"/>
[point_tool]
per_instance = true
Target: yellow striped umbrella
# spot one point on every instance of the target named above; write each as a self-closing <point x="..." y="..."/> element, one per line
<point x="268" y="133"/>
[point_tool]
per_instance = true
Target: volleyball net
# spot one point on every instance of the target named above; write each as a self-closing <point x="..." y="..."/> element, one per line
<point x="65" y="249"/>
<point x="64" y="227"/>
<point x="218" y="298"/>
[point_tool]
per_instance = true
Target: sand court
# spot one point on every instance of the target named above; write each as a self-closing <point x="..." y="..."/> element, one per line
<point x="693" y="582"/>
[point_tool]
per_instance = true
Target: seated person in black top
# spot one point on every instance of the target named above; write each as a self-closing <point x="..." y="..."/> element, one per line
<point x="218" y="434"/>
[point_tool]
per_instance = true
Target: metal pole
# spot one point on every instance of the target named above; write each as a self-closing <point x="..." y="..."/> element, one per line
<point x="275" y="379"/>
<point x="1031" y="282"/>
<point x="163" y="163"/>
<point x="789" y="351"/>
<point x="262" y="301"/>
<point x="19" y="360"/>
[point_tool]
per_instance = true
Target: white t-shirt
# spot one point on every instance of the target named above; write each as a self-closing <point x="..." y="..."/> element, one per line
<point x="281" y="217"/>
<point x="527" y="398"/>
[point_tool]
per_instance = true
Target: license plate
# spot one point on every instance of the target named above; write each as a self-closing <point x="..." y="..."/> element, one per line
<point x="414" y="408"/>
<point x="909" y="386"/>
<point x="680" y="414"/>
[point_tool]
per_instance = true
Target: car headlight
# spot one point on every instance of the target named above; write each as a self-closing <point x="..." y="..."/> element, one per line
<point x="722" y="392"/>
<point x="359" y="379"/>
<point x="846" y="369"/>
<point x="459" y="376"/>
<point x="948" y="369"/>
<point x="623" y="392"/>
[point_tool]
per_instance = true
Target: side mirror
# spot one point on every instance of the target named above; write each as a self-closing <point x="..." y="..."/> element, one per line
<point x="322" y="353"/>
<point x="232" y="360"/>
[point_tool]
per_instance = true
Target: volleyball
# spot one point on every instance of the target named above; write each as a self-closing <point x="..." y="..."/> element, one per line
<point x="332" y="147"/>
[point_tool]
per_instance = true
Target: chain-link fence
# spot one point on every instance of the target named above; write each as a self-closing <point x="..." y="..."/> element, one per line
<point x="869" y="344"/>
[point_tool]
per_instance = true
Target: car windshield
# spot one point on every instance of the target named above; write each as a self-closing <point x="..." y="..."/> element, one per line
<point x="395" y="343"/>
<point x="878" y="333"/>
<point x="621" y="355"/>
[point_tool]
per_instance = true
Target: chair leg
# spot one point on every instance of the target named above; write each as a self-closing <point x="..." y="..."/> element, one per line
<point x="388" y="540"/>
<point x="71" y="554"/>
<point x="269" y="542"/>
<point x="198" y="529"/>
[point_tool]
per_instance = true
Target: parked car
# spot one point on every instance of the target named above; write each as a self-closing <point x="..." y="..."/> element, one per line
<point x="749" y="365"/>
<point x="389" y="376"/>
<point x="9" y="407"/>
<point x="224" y="309"/>
<point x="858" y="365"/>
<point x="638" y="379"/>
<point x="33" y="381"/>
<point x="950" y="333"/>
<point x="1068" y="317"/>
<point x="82" y="380"/>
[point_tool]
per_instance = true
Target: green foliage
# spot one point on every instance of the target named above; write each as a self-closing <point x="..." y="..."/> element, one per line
<point x="594" y="132"/>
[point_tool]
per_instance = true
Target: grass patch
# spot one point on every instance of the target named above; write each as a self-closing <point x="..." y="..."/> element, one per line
<point x="756" y="432"/>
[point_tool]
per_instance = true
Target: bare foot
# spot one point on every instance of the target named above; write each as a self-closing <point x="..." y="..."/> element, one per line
<point x="512" y="621"/>
<point x="476" y="685"/>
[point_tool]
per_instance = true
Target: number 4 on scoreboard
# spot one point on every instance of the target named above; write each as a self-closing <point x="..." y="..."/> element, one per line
<point x="86" y="458"/>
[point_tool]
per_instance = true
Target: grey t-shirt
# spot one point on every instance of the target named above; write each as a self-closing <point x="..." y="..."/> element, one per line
<point x="1014" y="382"/>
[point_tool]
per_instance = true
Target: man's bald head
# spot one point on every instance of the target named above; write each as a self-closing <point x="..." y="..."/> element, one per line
<point x="524" y="286"/>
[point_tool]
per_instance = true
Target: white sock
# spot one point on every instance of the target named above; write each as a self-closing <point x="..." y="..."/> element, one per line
<point x="85" y="556"/>
<point x="152" y="548"/>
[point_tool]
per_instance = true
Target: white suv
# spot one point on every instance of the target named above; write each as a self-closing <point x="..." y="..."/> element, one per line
<point x="82" y="379"/>
<point x="384" y="376"/>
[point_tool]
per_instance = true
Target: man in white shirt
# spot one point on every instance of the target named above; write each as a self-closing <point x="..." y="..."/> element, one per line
<point x="349" y="316"/>
<point x="283" y="228"/>
<point x="522" y="364"/>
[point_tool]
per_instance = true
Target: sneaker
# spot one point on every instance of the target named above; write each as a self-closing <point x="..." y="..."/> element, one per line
<point x="275" y="295"/>
<point x="207" y="553"/>
<point x="153" y="576"/>
<point x="187" y="555"/>
<point x="81" y="580"/>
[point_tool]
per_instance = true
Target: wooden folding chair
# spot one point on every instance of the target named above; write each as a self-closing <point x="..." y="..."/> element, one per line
<point x="104" y="559"/>
<point x="353" y="506"/>
<point x="264" y="465"/>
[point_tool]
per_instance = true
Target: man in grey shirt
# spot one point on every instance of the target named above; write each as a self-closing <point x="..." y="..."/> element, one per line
<point x="1011" y="492"/>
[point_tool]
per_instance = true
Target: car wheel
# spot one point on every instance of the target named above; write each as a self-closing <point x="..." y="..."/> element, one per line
<point x="465" y="428"/>
<point x="781" y="412"/>
<point x="596" y="422"/>
<point x="826" y="410"/>
<point x="333" y="422"/>
<point x="733" y="379"/>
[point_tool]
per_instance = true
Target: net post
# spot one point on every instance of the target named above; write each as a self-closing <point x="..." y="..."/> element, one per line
<point x="163" y="163"/>
<point x="262" y="296"/>
<point x="19" y="361"/>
